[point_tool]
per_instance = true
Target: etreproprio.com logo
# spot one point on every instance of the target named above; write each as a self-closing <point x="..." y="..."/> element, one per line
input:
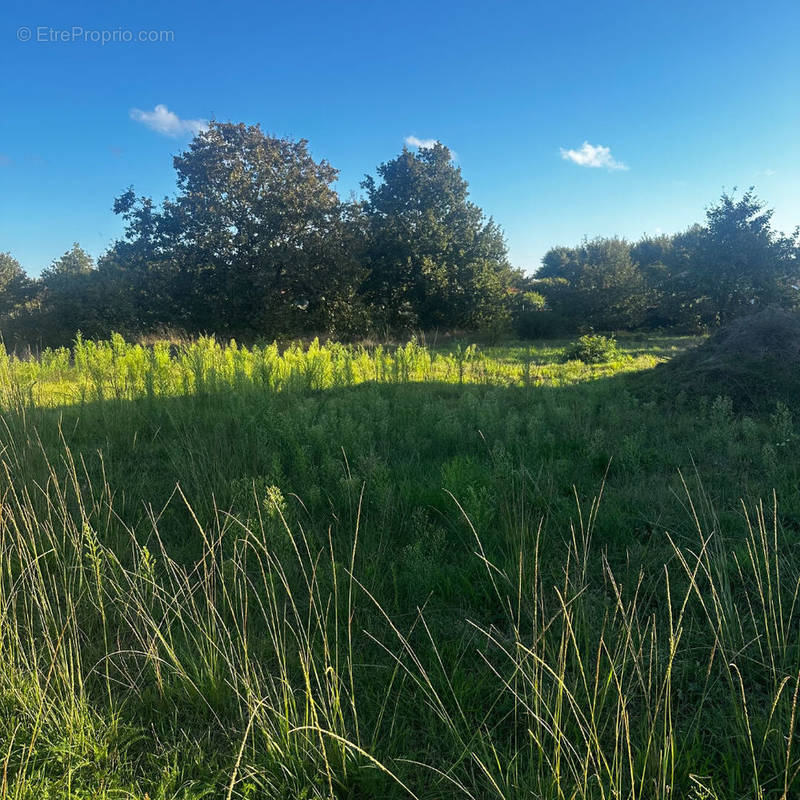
<point x="80" y="35"/>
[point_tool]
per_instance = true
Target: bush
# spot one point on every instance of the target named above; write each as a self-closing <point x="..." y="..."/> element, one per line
<point x="593" y="349"/>
<point x="531" y="319"/>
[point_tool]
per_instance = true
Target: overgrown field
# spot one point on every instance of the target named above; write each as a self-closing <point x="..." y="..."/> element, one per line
<point x="335" y="572"/>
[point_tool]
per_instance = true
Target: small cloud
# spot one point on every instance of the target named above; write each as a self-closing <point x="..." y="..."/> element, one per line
<point x="5" y="160"/>
<point x="166" y="122"/>
<point x="765" y="173"/>
<point x="591" y="155"/>
<point x="427" y="144"/>
<point x="421" y="144"/>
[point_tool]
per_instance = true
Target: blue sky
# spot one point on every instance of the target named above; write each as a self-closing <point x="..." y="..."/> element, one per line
<point x="690" y="97"/>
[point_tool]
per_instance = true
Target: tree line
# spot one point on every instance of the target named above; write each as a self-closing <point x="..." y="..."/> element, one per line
<point x="256" y="243"/>
<point x="692" y="281"/>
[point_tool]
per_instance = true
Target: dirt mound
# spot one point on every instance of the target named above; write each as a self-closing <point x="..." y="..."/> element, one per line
<point x="755" y="361"/>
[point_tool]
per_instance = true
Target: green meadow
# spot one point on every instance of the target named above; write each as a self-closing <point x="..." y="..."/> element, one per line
<point x="432" y="570"/>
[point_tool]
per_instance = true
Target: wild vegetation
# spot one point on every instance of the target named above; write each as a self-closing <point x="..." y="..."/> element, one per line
<point x="377" y="548"/>
<point x="123" y="371"/>
<point x="357" y="571"/>
<point x="257" y="244"/>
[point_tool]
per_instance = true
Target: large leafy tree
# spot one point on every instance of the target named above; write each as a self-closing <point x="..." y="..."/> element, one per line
<point x="738" y="262"/>
<point x="434" y="259"/>
<point x="256" y="239"/>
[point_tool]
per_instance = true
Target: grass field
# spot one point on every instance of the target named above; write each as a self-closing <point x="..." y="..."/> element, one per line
<point x="334" y="572"/>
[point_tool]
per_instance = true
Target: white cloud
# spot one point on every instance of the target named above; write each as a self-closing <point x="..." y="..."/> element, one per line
<point x="166" y="122"/>
<point x="765" y="173"/>
<point x="427" y="144"/>
<point x="591" y="155"/>
<point x="422" y="144"/>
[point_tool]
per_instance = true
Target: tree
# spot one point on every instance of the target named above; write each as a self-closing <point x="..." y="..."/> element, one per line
<point x="595" y="285"/>
<point x="15" y="286"/>
<point x="73" y="263"/>
<point x="665" y="262"/>
<point x="253" y="242"/>
<point x="141" y="272"/>
<point x="433" y="258"/>
<point x="738" y="262"/>
<point x="70" y="299"/>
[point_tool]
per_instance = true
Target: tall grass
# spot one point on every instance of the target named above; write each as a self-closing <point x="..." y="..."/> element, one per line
<point x="269" y="668"/>
<point x="217" y="580"/>
<point x="116" y="369"/>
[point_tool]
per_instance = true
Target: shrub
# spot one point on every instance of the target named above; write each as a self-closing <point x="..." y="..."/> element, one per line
<point x="593" y="349"/>
<point x="532" y="319"/>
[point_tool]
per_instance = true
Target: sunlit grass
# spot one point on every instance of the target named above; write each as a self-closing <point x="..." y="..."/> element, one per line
<point x="424" y="583"/>
<point x="116" y="369"/>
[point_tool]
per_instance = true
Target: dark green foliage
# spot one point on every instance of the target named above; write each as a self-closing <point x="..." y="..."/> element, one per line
<point x="739" y="263"/>
<point x="596" y="285"/>
<point x="71" y="298"/>
<point x="664" y="262"/>
<point x="256" y="244"/>
<point x="695" y="280"/>
<point x="15" y="287"/>
<point x="256" y="241"/>
<point x="434" y="259"/>
<point x="530" y="316"/>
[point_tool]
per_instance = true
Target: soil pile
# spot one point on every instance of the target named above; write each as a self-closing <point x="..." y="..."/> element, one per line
<point x="755" y="361"/>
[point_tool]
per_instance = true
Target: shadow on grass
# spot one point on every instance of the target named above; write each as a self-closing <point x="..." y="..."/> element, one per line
<point x="394" y="459"/>
<point x="411" y="445"/>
